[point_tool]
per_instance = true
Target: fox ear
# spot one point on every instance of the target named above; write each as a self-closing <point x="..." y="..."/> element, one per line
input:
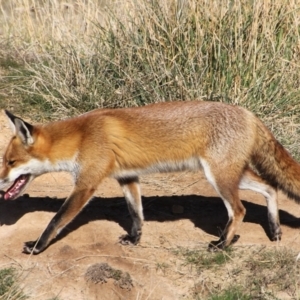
<point x="21" y="128"/>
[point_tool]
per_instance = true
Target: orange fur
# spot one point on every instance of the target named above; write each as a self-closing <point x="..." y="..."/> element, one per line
<point x="225" y="141"/>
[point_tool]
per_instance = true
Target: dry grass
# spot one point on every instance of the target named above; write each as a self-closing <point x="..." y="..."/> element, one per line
<point x="102" y="272"/>
<point x="10" y="284"/>
<point x="243" y="273"/>
<point x="145" y="51"/>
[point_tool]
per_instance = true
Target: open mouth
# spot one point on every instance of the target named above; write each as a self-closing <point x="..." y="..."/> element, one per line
<point x="17" y="187"/>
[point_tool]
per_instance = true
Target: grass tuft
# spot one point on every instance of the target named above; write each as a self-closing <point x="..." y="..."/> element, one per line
<point x="232" y="293"/>
<point x="203" y="259"/>
<point x="9" y="285"/>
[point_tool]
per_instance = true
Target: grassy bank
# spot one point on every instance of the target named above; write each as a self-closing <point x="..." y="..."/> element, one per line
<point x="60" y="58"/>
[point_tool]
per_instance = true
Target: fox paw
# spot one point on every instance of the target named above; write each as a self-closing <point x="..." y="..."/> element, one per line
<point x="276" y="237"/>
<point x="276" y="234"/>
<point x="220" y="244"/>
<point x="127" y="239"/>
<point x="215" y="246"/>
<point x="31" y="248"/>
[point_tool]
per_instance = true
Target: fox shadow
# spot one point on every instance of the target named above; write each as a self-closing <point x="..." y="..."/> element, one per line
<point x="207" y="213"/>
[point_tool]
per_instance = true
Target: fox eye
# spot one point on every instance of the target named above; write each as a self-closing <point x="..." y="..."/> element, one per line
<point x="10" y="162"/>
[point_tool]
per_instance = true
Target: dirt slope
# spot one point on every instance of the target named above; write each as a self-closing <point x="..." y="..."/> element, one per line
<point x="180" y="210"/>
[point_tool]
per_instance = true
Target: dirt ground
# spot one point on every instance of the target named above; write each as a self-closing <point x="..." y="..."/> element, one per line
<point x="181" y="210"/>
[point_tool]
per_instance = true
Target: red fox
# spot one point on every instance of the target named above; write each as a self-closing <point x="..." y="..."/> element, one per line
<point x="232" y="146"/>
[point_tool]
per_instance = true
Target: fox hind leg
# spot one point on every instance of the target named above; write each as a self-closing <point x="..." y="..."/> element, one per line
<point x="251" y="181"/>
<point x="132" y="193"/>
<point x="236" y="213"/>
<point x="227" y="187"/>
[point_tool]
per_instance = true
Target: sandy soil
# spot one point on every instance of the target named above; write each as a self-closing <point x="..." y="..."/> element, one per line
<point x="180" y="210"/>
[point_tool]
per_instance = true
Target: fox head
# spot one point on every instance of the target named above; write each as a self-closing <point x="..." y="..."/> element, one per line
<point x="35" y="150"/>
<point x="19" y="162"/>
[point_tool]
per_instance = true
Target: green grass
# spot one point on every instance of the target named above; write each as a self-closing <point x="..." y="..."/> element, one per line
<point x="203" y="259"/>
<point x="232" y="293"/>
<point x="6" y="280"/>
<point x="9" y="285"/>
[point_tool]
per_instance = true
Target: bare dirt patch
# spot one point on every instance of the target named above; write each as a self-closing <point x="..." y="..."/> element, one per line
<point x="181" y="210"/>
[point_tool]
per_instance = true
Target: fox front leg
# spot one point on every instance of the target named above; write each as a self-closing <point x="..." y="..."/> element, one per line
<point x="72" y="206"/>
<point x="132" y="193"/>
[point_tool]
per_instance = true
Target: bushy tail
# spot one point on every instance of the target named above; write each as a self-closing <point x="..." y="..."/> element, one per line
<point x="274" y="164"/>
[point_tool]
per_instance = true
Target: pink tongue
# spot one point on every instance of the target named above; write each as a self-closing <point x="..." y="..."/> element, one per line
<point x="15" y="189"/>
